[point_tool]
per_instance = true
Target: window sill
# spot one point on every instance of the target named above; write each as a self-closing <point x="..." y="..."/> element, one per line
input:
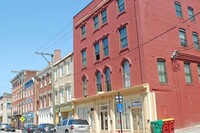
<point x="95" y="31"/>
<point x="97" y="62"/>
<point x="83" y="39"/>
<point x="106" y="58"/>
<point x="121" y="13"/>
<point x="103" y="25"/>
<point x="189" y="84"/>
<point x="124" y="50"/>
<point x="83" y="68"/>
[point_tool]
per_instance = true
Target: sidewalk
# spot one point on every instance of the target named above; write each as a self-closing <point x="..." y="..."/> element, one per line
<point x="195" y="129"/>
<point x="18" y="131"/>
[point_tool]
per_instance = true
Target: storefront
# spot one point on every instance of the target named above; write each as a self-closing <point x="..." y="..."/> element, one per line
<point x="102" y="113"/>
<point x="29" y="118"/>
<point x="45" y="115"/>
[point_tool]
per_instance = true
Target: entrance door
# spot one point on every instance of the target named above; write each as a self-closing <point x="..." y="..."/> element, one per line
<point x="104" y="120"/>
<point x="137" y="120"/>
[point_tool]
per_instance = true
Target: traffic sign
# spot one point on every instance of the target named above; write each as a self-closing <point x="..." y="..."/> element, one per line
<point x="22" y="119"/>
<point x="119" y="107"/>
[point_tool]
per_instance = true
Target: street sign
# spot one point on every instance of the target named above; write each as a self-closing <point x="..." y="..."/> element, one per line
<point x="22" y="119"/>
<point x="119" y="107"/>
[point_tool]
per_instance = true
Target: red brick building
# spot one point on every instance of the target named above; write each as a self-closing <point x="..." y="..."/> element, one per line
<point x="148" y="51"/>
<point x="19" y="95"/>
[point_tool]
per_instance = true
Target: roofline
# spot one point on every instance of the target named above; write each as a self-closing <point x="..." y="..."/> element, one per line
<point x="83" y="9"/>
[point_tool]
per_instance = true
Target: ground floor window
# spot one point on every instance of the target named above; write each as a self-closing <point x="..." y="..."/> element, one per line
<point x="83" y="113"/>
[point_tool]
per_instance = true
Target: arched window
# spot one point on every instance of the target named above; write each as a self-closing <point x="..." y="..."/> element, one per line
<point x="126" y="74"/>
<point x="98" y="81"/>
<point x="85" y="93"/>
<point x="107" y="79"/>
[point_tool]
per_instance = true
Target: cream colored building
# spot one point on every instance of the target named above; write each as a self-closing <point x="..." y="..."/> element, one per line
<point x="5" y="108"/>
<point x="64" y="87"/>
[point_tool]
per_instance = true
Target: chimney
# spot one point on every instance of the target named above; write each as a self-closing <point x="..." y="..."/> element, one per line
<point x="57" y="55"/>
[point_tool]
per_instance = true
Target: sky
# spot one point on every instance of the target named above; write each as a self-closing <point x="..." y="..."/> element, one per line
<point x="29" y="26"/>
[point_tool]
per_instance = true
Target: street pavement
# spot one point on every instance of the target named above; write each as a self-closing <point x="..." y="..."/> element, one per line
<point x="7" y="132"/>
<point x="195" y="129"/>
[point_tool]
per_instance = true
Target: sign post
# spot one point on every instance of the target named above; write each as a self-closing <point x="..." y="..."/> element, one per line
<point x="119" y="100"/>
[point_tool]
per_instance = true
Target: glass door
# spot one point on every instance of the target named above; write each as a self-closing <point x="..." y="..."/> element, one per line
<point x="137" y="120"/>
<point x="104" y="120"/>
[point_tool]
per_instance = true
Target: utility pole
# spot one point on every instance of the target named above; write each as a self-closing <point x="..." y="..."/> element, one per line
<point x="21" y="73"/>
<point x="52" y="82"/>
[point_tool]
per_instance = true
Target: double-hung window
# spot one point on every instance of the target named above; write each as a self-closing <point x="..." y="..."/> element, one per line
<point x="162" y="71"/>
<point x="188" y="73"/>
<point x="98" y="80"/>
<point x="191" y="13"/>
<point x="69" y="93"/>
<point x="182" y="36"/>
<point x="121" y="5"/>
<point x="96" y="23"/>
<point x="83" y="31"/>
<point x="178" y="9"/>
<point x="97" y="51"/>
<point x="105" y="46"/>
<point x="196" y="40"/>
<point x="107" y="79"/>
<point x="123" y="37"/>
<point x="84" y="63"/>
<point x="104" y="16"/>
<point x="126" y="74"/>
<point x="84" y="87"/>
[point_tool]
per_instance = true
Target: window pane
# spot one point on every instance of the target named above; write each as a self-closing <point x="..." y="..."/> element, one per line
<point x="196" y="40"/>
<point x="126" y="74"/>
<point x="83" y="31"/>
<point x="191" y="13"/>
<point x="188" y="74"/>
<point x="104" y="16"/>
<point x="121" y="6"/>
<point x="123" y="37"/>
<point x="97" y="51"/>
<point x="178" y="9"/>
<point x="84" y="58"/>
<point x="108" y="82"/>
<point x="98" y="79"/>
<point x="182" y="37"/>
<point x="162" y="71"/>
<point x="96" y="23"/>
<point x="105" y="46"/>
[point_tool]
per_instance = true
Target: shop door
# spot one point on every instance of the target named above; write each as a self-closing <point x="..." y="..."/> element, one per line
<point x="137" y="120"/>
<point x="104" y="120"/>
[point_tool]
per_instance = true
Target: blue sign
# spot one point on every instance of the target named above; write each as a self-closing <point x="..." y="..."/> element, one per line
<point x="119" y="107"/>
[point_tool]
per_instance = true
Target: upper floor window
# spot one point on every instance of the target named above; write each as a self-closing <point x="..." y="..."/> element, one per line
<point x="191" y="13"/>
<point x="69" y="67"/>
<point x="196" y="40"/>
<point x="97" y="51"/>
<point x="55" y="75"/>
<point x="121" y="5"/>
<point x="123" y="37"/>
<point x="199" y="71"/>
<point x="98" y="81"/>
<point x="162" y="71"/>
<point x="84" y="63"/>
<point x="83" y="31"/>
<point x="96" y="23"/>
<point x="182" y="37"/>
<point x="69" y="93"/>
<point x="104" y="16"/>
<point x="61" y="96"/>
<point x="105" y="46"/>
<point x="188" y="73"/>
<point x="178" y="9"/>
<point x="84" y="82"/>
<point x="107" y="79"/>
<point x="126" y="74"/>
<point x="61" y="71"/>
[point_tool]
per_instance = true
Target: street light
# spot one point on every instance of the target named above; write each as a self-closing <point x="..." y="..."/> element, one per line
<point x="52" y="82"/>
